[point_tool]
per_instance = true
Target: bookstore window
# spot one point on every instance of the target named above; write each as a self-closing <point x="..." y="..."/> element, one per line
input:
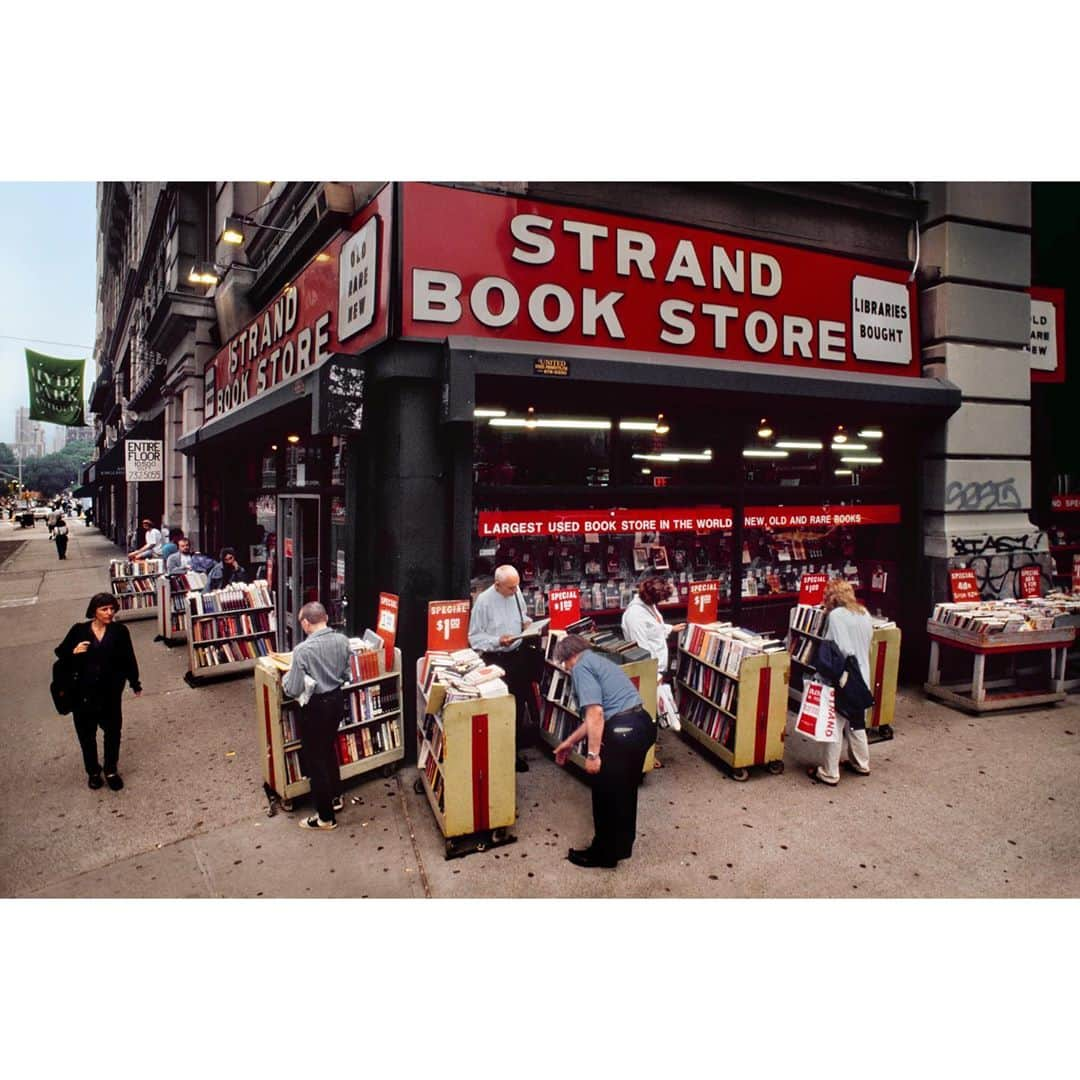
<point x="787" y="454"/>
<point x="680" y="450"/>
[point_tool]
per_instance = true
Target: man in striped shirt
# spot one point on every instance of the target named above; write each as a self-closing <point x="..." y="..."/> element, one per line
<point x="323" y="656"/>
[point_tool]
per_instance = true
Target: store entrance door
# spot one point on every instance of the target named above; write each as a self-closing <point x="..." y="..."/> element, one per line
<point x="298" y="557"/>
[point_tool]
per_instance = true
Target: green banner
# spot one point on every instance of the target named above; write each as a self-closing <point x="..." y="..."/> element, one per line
<point x="56" y="389"/>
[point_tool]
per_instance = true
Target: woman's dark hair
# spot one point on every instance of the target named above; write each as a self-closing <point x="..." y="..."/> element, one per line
<point x="226" y="551"/>
<point x="175" y="534"/>
<point x="101" y="599"/>
<point x="653" y="590"/>
<point x="569" y="646"/>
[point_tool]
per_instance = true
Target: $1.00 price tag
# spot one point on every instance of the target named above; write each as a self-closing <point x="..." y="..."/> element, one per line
<point x="564" y="606"/>
<point x="702" y="601"/>
<point x="448" y="625"/>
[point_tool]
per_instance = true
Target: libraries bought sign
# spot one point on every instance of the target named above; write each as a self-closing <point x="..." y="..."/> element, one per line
<point x="337" y="305"/>
<point x="493" y="266"/>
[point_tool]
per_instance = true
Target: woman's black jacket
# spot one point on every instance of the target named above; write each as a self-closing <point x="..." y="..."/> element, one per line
<point x="101" y="671"/>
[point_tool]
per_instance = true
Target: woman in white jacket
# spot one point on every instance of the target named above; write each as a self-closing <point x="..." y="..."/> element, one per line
<point x="643" y="624"/>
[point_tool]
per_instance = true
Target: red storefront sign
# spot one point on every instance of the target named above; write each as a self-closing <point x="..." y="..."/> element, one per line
<point x="1030" y="581"/>
<point x="447" y="625"/>
<point x="386" y="625"/>
<point x="1046" y="345"/>
<point x="812" y="588"/>
<point x="564" y="606"/>
<point x="964" y="586"/>
<point x="537" y="523"/>
<point x="702" y="602"/>
<point x="1067" y="503"/>
<point x="501" y="267"/>
<point x="336" y="305"/>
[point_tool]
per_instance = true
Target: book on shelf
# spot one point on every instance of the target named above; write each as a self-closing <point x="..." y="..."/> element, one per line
<point x="123" y="568"/>
<point x="808" y="619"/>
<point x="255" y="594"/>
<point x="1009" y="616"/>
<point x="229" y="652"/>
<point x="226" y="626"/>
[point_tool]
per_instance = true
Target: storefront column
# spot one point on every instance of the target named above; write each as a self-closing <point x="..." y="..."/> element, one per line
<point x="975" y="318"/>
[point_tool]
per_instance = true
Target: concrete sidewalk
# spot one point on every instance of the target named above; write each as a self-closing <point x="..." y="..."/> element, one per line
<point x="957" y="806"/>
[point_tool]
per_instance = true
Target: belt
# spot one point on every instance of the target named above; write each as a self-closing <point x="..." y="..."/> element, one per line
<point x="625" y="712"/>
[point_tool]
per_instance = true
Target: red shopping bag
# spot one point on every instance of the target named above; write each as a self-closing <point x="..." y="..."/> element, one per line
<point x="817" y="713"/>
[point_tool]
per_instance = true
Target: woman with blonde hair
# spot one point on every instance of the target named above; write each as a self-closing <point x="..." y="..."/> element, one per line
<point x="849" y="628"/>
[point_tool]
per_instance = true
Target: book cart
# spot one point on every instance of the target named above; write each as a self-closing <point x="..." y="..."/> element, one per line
<point x="228" y="630"/>
<point x="465" y="759"/>
<point x="997" y="629"/>
<point x="369" y="735"/>
<point x="559" y="714"/>
<point x="806" y="629"/>
<point x="732" y="698"/>
<point x="133" y="585"/>
<point x="172" y="608"/>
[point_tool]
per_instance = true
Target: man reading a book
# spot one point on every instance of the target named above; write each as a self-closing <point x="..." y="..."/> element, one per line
<point x="320" y="665"/>
<point x="495" y="626"/>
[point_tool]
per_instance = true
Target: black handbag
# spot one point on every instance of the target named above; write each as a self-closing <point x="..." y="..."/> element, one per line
<point x="62" y="687"/>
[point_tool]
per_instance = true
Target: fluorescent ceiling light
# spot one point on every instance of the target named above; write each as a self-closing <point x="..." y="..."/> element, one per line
<point x="842" y="472"/>
<point x="478" y="413"/>
<point x="793" y="444"/>
<point x="862" y="460"/>
<point x="675" y="455"/>
<point x="591" y="425"/>
<point x="765" y="453"/>
<point x="637" y="425"/>
<point x="845" y="447"/>
<point x="870" y="433"/>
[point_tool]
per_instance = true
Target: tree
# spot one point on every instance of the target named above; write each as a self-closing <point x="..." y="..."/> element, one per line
<point x="7" y="456"/>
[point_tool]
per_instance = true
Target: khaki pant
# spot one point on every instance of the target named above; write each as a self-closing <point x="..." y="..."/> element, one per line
<point x="858" y="750"/>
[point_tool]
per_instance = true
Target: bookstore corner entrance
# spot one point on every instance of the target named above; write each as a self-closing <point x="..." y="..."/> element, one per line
<point x="298" y="557"/>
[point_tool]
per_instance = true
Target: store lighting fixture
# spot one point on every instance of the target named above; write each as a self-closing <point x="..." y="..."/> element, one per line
<point x="480" y="414"/>
<point x="842" y="472"/>
<point x="294" y="439"/>
<point x="323" y="257"/>
<point x="862" y="459"/>
<point x="870" y="433"/>
<point x="530" y="418"/>
<point x="750" y="452"/>
<point x="841" y="434"/>
<point x="675" y="455"/>
<point x="845" y="447"/>
<point x="764" y="430"/>
<point x="233" y="230"/>
<point x="231" y="234"/>
<point x="799" y="444"/>
<point x="273" y="446"/>
<point x="662" y="427"/>
<point x="532" y="424"/>
<point x="646" y="472"/>
<point x="203" y="273"/>
<point x="637" y="425"/>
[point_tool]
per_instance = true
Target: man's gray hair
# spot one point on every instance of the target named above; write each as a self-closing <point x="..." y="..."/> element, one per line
<point x="506" y="571"/>
<point x="312" y="612"/>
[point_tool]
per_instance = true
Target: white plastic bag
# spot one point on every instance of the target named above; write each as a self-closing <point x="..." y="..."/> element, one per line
<point x="817" y="713"/>
<point x="667" y="713"/>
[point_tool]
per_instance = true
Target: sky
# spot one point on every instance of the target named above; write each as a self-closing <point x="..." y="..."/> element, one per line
<point x="47" y="284"/>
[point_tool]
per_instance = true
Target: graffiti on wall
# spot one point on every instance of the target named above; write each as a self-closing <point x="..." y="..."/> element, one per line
<point x="998" y="560"/>
<point x="987" y="495"/>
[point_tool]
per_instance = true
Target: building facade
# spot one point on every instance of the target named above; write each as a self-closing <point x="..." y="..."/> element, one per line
<point x="370" y="387"/>
<point x="29" y="435"/>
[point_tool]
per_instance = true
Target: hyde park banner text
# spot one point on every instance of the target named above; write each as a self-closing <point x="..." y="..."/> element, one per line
<point x="56" y="389"/>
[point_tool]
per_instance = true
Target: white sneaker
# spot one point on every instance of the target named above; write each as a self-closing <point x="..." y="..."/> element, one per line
<point x="673" y="722"/>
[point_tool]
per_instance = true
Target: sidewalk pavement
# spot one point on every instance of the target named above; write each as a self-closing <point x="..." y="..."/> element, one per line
<point x="956" y="806"/>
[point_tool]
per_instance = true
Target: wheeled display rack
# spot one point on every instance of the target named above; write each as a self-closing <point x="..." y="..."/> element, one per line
<point x="465" y="762"/>
<point x="884" y="666"/>
<point x="199" y="644"/>
<point x="133" y="585"/>
<point x="172" y="608"/>
<point x="749" y="730"/>
<point x="280" y="745"/>
<point x="558" y="720"/>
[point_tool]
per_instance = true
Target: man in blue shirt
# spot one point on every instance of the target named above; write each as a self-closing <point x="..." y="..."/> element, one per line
<point x="619" y="733"/>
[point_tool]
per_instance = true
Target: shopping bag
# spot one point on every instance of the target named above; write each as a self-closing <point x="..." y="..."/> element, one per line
<point x="817" y="713"/>
<point x="667" y="714"/>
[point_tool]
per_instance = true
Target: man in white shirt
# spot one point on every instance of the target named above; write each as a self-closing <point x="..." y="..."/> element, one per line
<point x="498" y="617"/>
<point x="151" y="545"/>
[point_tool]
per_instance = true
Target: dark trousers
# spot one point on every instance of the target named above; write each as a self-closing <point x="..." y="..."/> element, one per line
<point x="319" y="721"/>
<point x="61" y="546"/>
<point x="627" y="738"/>
<point x="87" y="721"/>
<point x="522" y="667"/>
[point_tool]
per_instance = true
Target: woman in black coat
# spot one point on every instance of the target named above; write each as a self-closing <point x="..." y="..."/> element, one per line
<point x="102" y="659"/>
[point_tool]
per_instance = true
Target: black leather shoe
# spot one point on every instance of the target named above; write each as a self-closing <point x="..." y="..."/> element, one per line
<point x="114" y="781"/>
<point x="94" y="781"/>
<point x="520" y="764"/>
<point x="585" y="857"/>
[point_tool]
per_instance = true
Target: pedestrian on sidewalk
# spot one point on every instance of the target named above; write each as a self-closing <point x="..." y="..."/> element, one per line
<point x="102" y="660"/>
<point x="618" y="733"/>
<point x="60" y="537"/>
<point x="320" y="664"/>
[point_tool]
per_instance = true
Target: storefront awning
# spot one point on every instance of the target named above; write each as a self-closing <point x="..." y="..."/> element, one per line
<point x="469" y="357"/>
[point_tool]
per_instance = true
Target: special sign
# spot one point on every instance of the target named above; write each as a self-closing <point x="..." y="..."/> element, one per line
<point x="493" y="266"/>
<point x="448" y="625"/>
<point x="336" y="305"/>
<point x="703" y="601"/>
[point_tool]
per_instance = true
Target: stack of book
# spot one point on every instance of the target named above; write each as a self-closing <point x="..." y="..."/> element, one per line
<point x="122" y="568"/>
<point x="724" y="646"/>
<point x="231" y="598"/>
<point x="463" y="673"/>
<point x="1009" y="616"/>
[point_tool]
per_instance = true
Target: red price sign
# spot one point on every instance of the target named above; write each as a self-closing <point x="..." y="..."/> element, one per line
<point x="386" y="625"/>
<point x="447" y="625"/>
<point x="812" y="588"/>
<point x="702" y="602"/>
<point x="565" y="607"/>
<point x="964" y="586"/>
<point x="1030" y="581"/>
<point x="1076" y="574"/>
